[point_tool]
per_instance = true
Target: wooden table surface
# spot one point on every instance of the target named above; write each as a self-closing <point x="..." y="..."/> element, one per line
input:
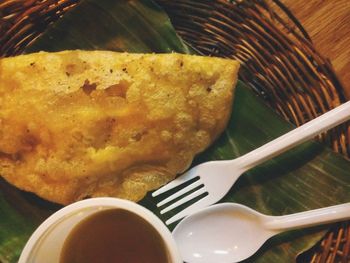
<point x="328" y="24"/>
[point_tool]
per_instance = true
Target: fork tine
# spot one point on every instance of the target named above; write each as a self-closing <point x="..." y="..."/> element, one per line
<point x="184" y="200"/>
<point x="180" y="192"/>
<point x="176" y="182"/>
<point x="189" y="210"/>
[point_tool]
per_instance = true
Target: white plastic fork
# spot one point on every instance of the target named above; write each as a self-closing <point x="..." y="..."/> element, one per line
<point x="217" y="177"/>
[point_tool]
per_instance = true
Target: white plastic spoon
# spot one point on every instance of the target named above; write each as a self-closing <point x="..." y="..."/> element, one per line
<point x="227" y="232"/>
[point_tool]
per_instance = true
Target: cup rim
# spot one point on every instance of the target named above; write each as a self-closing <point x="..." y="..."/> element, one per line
<point x="104" y="202"/>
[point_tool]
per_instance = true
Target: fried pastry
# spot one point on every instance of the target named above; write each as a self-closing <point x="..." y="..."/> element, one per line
<point x="78" y="124"/>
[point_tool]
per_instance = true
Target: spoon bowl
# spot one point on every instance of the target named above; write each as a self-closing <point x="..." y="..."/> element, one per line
<point x="228" y="232"/>
<point x="221" y="233"/>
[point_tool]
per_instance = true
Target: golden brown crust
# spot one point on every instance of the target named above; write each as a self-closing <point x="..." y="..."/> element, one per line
<point x="99" y="123"/>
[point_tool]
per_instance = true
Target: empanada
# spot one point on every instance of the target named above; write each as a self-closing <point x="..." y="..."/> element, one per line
<point x="78" y="124"/>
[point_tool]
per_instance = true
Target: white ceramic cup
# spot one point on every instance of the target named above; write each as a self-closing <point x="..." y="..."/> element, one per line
<point x="46" y="243"/>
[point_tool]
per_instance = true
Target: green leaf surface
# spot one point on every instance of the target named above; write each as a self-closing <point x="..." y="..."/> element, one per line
<point x="308" y="177"/>
<point x="134" y="26"/>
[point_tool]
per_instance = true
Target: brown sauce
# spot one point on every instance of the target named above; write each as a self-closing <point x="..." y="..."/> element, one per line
<point x="112" y="236"/>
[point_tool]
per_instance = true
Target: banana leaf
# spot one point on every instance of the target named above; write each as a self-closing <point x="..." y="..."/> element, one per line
<point x="307" y="177"/>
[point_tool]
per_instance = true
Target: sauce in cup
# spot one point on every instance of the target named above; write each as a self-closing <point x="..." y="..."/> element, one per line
<point x="102" y="229"/>
<point x="114" y="235"/>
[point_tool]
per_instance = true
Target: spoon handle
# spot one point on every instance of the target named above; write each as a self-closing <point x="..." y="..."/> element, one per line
<point x="297" y="136"/>
<point x="310" y="218"/>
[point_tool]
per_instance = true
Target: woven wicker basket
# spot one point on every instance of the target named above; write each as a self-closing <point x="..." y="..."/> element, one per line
<point x="278" y="58"/>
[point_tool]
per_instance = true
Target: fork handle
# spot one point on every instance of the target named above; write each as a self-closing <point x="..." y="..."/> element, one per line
<point x="295" y="137"/>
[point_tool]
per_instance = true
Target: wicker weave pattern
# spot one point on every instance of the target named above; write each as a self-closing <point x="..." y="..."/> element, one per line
<point x="21" y="21"/>
<point x="278" y="58"/>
